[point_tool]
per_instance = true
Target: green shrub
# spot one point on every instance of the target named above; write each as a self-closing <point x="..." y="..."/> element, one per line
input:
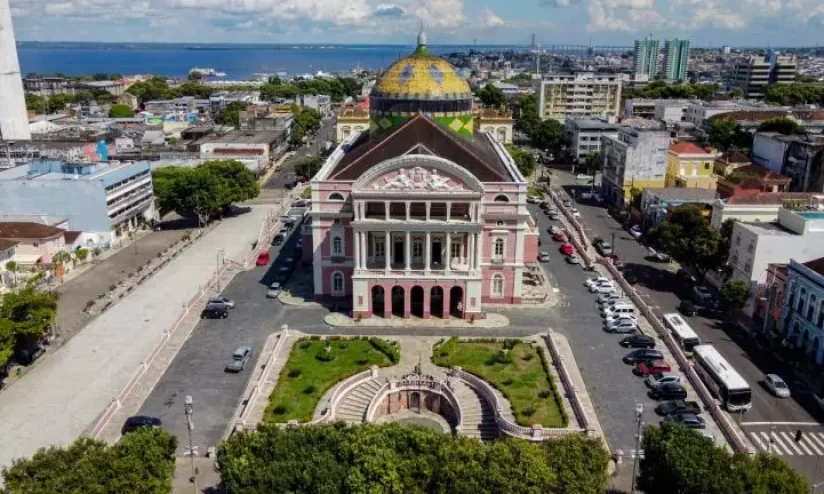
<point x="553" y="388"/>
<point x="309" y="389"/>
<point x="280" y="410"/>
<point x="545" y="393"/>
<point x="295" y="373"/>
<point x="304" y="345"/>
<point x="503" y="357"/>
<point x="508" y="381"/>
<point x="510" y="343"/>
<point x="342" y="346"/>
<point x="325" y="356"/>
<point x="388" y="349"/>
<point x="528" y="411"/>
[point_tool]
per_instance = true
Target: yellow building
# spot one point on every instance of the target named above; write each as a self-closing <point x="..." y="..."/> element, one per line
<point x="496" y="122"/>
<point x="690" y="166"/>
<point x="351" y="120"/>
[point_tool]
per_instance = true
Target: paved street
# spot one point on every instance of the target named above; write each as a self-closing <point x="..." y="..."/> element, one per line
<point x="279" y="179"/>
<point x="658" y="284"/>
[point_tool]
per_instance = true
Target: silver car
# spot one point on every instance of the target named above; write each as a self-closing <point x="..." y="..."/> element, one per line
<point x="543" y="256"/>
<point x="274" y="290"/>
<point x="654" y="380"/>
<point x="621" y="326"/>
<point x="777" y="386"/>
<point x="221" y="302"/>
<point x="239" y="359"/>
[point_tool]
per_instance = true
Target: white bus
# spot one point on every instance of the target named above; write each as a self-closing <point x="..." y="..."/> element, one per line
<point x="725" y="383"/>
<point x="682" y="332"/>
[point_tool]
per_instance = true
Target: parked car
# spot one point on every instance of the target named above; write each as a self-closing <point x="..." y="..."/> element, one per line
<point x="531" y="200"/>
<point x="777" y="386"/>
<point x="575" y="212"/>
<point x="641" y="355"/>
<point x="621" y="326"/>
<point x="605" y="288"/>
<point x="543" y="256"/>
<point x="671" y="391"/>
<point x="597" y="280"/>
<point x="559" y="236"/>
<point x="635" y="231"/>
<point x="263" y="258"/>
<point x="553" y="215"/>
<point x="637" y="341"/>
<point x="299" y="203"/>
<point x="604" y="248"/>
<point x="543" y="204"/>
<point x="660" y="378"/>
<point x="613" y="318"/>
<point x="567" y="249"/>
<point x="658" y="256"/>
<point x="239" y="359"/>
<point x="584" y="177"/>
<point x="566" y="202"/>
<point x="648" y="367"/>
<point x="585" y="195"/>
<point x="701" y="295"/>
<point x="690" y="420"/>
<point x="687" y="308"/>
<point x="608" y="299"/>
<point x="573" y="259"/>
<point x="274" y="290"/>
<point x="214" y="313"/>
<point x="221" y="302"/>
<point x="553" y="229"/>
<point x="678" y="406"/>
<point x="138" y="422"/>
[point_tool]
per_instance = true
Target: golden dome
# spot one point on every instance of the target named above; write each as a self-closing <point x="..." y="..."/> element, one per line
<point x="422" y="76"/>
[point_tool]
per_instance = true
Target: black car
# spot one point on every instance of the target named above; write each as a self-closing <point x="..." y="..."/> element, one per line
<point x="637" y="341"/>
<point x="690" y="420"/>
<point x="683" y="276"/>
<point x="139" y="421"/>
<point x="642" y="355"/>
<point x="678" y="406"/>
<point x="687" y="308"/>
<point x="668" y="391"/>
<point x="214" y="313"/>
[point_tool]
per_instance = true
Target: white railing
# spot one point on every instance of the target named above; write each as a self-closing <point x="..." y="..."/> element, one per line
<point x="341" y="391"/>
<point x="566" y="382"/>
<point x="397" y="385"/>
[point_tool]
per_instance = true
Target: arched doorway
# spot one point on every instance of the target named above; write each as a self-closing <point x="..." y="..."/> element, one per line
<point x="415" y="401"/>
<point x="378" y="301"/>
<point x="416" y="301"/>
<point x="397" y="301"/>
<point x="436" y="301"/>
<point x="456" y="302"/>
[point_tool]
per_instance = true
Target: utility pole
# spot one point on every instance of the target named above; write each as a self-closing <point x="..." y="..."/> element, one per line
<point x="220" y="253"/>
<point x="639" y="411"/>
<point x="188" y="409"/>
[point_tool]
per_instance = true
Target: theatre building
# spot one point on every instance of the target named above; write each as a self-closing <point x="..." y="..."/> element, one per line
<point x="420" y="216"/>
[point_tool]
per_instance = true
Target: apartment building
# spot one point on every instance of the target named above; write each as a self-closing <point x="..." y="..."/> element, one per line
<point x="583" y="136"/>
<point x="635" y="159"/>
<point x="753" y="74"/>
<point x="578" y="95"/>
<point x="645" y="59"/>
<point x="676" y="58"/>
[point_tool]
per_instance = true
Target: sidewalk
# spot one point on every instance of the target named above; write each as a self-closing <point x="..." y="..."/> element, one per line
<point x="59" y="399"/>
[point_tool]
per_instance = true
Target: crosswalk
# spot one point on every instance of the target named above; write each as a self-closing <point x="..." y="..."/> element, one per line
<point x="784" y="444"/>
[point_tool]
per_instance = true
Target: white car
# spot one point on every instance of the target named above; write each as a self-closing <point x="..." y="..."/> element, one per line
<point x="585" y="195"/>
<point x="605" y="288"/>
<point x="531" y="200"/>
<point x="655" y="380"/>
<point x="576" y="213"/>
<point x="635" y="231"/>
<point x="609" y="304"/>
<point x="622" y="326"/>
<point x="597" y="280"/>
<point x="582" y="176"/>
<point x="573" y="259"/>
<point x="777" y="385"/>
<point x="612" y="318"/>
<point x="553" y="229"/>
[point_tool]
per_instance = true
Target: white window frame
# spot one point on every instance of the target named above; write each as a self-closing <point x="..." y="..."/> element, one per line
<point x="338" y="292"/>
<point x="457" y="249"/>
<point x="495" y="249"/>
<point x="494" y="291"/>
<point x="380" y="248"/>
<point x="335" y="251"/>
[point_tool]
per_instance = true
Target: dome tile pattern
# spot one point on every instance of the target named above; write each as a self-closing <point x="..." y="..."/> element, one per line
<point x="422" y="75"/>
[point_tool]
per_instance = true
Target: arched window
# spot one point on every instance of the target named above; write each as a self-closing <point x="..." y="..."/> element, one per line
<point x="501" y="198"/>
<point x="498" y="285"/>
<point x="490" y="130"/>
<point x="337" y="284"/>
<point x="345" y="131"/>
<point x="335" y="196"/>
<point x="502" y="134"/>
<point x="337" y="246"/>
<point x="499" y="247"/>
<point x="802" y="300"/>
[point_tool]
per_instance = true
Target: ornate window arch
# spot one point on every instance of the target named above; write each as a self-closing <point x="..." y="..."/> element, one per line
<point x="499" y="247"/>
<point x="338" y="284"/>
<point x="335" y="196"/>
<point x="501" y="198"/>
<point x="497" y="285"/>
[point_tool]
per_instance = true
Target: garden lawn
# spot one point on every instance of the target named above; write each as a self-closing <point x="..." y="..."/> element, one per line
<point x="535" y="192"/>
<point x="296" y="397"/>
<point x="522" y="381"/>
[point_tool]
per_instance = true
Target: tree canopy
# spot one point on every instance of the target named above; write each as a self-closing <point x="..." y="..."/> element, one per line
<point x="25" y="315"/>
<point x="337" y="88"/>
<point x="782" y="125"/>
<point x="794" y="94"/>
<point x="158" y="88"/>
<point x="678" y="460"/>
<point x="306" y="120"/>
<point x="204" y="191"/>
<point x="121" y="111"/>
<point x="142" y="462"/>
<point x="524" y="160"/>
<point x="230" y="115"/>
<point x="734" y="294"/>
<point x="492" y="96"/>
<point x="395" y="459"/>
<point x="546" y="135"/>
<point x="687" y="237"/>
<point x="308" y="166"/>
<point x="673" y="90"/>
<point x="726" y="134"/>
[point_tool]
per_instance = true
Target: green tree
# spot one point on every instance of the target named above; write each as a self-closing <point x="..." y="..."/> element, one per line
<point x="230" y="115"/>
<point x="492" y="96"/>
<point x="687" y="237"/>
<point x="142" y="462"/>
<point x="36" y="103"/>
<point x="121" y="111"/>
<point x="594" y="161"/>
<point x="116" y="76"/>
<point x="100" y="76"/>
<point x="238" y="183"/>
<point x="30" y="311"/>
<point x="57" y="103"/>
<point x="734" y="295"/>
<point x="82" y="254"/>
<point x="12" y="267"/>
<point x="528" y="119"/>
<point x="7" y="341"/>
<point x="524" y="160"/>
<point x="308" y="166"/>
<point x="782" y="125"/>
<point x="549" y="136"/>
<point x="726" y="134"/>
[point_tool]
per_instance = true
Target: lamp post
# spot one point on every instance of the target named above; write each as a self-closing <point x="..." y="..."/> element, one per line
<point x="639" y="411"/>
<point x="220" y="254"/>
<point x="188" y="409"/>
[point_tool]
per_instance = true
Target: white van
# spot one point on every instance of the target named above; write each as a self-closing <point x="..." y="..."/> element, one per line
<point x="618" y="310"/>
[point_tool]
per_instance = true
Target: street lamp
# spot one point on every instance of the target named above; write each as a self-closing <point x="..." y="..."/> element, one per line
<point x="220" y="254"/>
<point x="188" y="409"/>
<point x="639" y="411"/>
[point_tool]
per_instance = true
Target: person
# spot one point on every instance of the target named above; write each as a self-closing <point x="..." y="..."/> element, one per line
<point x="798" y="435"/>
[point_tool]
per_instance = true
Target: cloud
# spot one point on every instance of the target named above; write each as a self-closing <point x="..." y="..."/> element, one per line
<point x="487" y="18"/>
<point x="388" y="10"/>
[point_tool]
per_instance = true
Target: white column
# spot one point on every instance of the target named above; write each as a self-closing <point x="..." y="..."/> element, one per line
<point x="407" y="248"/>
<point x="448" y="210"/>
<point x="448" y="252"/>
<point x="478" y="247"/>
<point x="387" y="249"/>
<point x="470" y="253"/>
<point x="428" y="207"/>
<point x="407" y="210"/>
<point x="356" y="252"/>
<point x="428" y="258"/>
<point x="364" y="245"/>
<point x="386" y="206"/>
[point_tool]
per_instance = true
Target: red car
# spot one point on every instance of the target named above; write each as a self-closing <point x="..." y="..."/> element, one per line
<point x="263" y="258"/>
<point x="559" y="237"/>
<point x="654" y="367"/>
<point x="567" y="249"/>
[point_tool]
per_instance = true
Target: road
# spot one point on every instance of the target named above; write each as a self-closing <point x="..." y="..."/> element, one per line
<point x="325" y="133"/>
<point x="657" y="283"/>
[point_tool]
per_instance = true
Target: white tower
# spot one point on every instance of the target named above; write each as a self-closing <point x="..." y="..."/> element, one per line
<point x="14" y="121"/>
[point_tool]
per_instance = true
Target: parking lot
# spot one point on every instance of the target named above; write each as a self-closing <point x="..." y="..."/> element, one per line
<point x="198" y="369"/>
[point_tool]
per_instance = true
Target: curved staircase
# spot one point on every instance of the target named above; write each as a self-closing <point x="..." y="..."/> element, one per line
<point x="353" y="407"/>
<point x="478" y="415"/>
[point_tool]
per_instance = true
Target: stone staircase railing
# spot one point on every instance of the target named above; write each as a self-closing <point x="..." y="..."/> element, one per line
<point x="340" y="392"/>
<point x="416" y="384"/>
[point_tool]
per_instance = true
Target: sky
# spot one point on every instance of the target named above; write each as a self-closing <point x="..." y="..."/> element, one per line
<point x="707" y="23"/>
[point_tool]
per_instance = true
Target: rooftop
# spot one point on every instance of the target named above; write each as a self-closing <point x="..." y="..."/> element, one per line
<point x="683" y="147"/>
<point x="759" y="115"/>
<point x="242" y="137"/>
<point x="816" y="265"/>
<point x="594" y="124"/>
<point x="681" y="194"/>
<point x="734" y="156"/>
<point x="27" y="230"/>
<point x="770" y="198"/>
<point x="6" y="244"/>
<point x="46" y="169"/>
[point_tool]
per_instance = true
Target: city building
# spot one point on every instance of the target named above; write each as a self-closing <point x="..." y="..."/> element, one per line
<point x="103" y="200"/>
<point x="496" y="122"/>
<point x="645" y="59"/>
<point x="738" y="177"/>
<point x="769" y="297"/>
<point x="579" y="95"/>
<point x="640" y="108"/>
<point x="320" y="102"/>
<point x="255" y="149"/>
<point x="754" y="73"/>
<point x="761" y="207"/>
<point x="699" y="112"/>
<point x="751" y="119"/>
<point x="690" y="166"/>
<point x="420" y="216"/>
<point x="798" y="157"/>
<point x="802" y="313"/>
<point x="676" y="58"/>
<point x="184" y="104"/>
<point x="218" y="101"/>
<point x="14" y="119"/>
<point x="351" y="120"/>
<point x="267" y="119"/>
<point x="34" y="242"/>
<point x="670" y="111"/>
<point x="583" y="136"/>
<point x="51" y="86"/>
<point x="658" y="203"/>
<point x="635" y="159"/>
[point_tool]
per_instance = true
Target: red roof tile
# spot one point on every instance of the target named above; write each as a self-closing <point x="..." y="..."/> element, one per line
<point x="684" y="147"/>
<point x="7" y="244"/>
<point x="21" y="230"/>
<point x="770" y="198"/>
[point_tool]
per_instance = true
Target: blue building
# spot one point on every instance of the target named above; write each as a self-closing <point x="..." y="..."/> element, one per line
<point x="104" y="201"/>
<point x="803" y="311"/>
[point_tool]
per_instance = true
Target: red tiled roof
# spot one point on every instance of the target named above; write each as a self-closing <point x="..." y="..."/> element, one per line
<point x="684" y="147"/>
<point x="771" y="198"/>
<point x="71" y="236"/>
<point x="816" y="265"/>
<point x="26" y="230"/>
<point x="6" y="244"/>
<point x="759" y="116"/>
<point x="734" y="156"/>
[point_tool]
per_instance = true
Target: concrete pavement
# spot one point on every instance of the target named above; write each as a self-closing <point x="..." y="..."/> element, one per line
<point x="59" y="399"/>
